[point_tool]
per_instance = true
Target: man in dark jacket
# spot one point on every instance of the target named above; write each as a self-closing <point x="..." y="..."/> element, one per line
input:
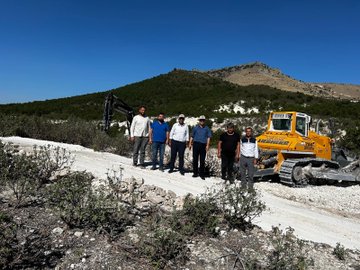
<point x="228" y="151"/>
<point x="200" y="142"/>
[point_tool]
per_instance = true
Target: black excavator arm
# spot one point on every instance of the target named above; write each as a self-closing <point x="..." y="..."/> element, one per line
<point x="112" y="104"/>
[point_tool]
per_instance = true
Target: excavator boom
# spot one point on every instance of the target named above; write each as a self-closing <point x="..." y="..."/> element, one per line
<point x="113" y="103"/>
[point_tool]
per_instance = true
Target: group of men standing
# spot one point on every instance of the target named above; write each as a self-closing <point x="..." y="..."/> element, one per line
<point x="231" y="147"/>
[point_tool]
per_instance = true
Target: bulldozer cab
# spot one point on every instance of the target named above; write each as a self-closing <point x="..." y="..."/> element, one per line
<point x="290" y="122"/>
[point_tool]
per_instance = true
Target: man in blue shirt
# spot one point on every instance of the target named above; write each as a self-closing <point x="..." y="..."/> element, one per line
<point x="200" y="141"/>
<point x="159" y="137"/>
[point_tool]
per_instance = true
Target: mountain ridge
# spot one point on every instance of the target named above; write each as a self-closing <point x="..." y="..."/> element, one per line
<point x="262" y="74"/>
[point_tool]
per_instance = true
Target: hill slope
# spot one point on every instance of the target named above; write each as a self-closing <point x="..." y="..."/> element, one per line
<point x="189" y="92"/>
<point x="260" y="73"/>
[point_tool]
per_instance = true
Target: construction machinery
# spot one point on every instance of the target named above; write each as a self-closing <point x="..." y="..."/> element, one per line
<point x="113" y="103"/>
<point x="298" y="155"/>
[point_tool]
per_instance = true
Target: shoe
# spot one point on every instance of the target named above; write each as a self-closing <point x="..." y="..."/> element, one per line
<point x="171" y="171"/>
<point x="153" y="168"/>
<point x="202" y="177"/>
<point x="224" y="178"/>
<point x="142" y="166"/>
<point x="182" y="172"/>
<point x="135" y="164"/>
<point x="161" y="169"/>
<point x="195" y="175"/>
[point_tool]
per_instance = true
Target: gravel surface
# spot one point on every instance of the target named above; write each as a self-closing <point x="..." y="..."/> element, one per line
<point x="343" y="201"/>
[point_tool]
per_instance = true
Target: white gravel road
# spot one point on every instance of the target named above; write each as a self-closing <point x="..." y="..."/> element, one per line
<point x="324" y="214"/>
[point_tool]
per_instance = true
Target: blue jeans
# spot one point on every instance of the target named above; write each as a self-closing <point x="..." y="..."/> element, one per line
<point x="158" y="147"/>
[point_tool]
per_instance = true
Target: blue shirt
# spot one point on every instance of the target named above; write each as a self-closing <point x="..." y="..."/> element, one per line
<point x="159" y="131"/>
<point x="201" y="134"/>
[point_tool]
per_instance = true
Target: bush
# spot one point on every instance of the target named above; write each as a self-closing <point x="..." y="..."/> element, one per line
<point x="199" y="216"/>
<point x="8" y="240"/>
<point x="351" y="141"/>
<point x="37" y="252"/>
<point x="19" y="173"/>
<point x="239" y="206"/>
<point x="24" y="174"/>
<point x="289" y="252"/>
<point x="79" y="205"/>
<point x="165" y="248"/>
<point x="72" y="130"/>
<point x="212" y="164"/>
<point x="340" y="252"/>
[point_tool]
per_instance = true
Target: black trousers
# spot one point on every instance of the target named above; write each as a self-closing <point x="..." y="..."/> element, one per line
<point x="177" y="148"/>
<point x="227" y="165"/>
<point x="199" y="150"/>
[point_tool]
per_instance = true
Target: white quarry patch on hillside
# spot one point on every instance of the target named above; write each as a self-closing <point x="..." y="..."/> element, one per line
<point x="237" y="108"/>
<point x="190" y="121"/>
<point x="341" y="132"/>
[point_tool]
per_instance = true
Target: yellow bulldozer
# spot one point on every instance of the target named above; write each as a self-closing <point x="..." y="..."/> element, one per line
<point x="298" y="155"/>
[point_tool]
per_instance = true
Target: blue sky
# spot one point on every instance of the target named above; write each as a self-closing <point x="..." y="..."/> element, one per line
<point x="53" y="48"/>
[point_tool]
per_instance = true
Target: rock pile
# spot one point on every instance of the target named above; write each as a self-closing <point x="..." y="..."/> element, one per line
<point x="145" y="197"/>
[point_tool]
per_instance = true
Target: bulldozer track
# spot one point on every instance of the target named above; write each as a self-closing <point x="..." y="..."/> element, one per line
<point x="287" y="169"/>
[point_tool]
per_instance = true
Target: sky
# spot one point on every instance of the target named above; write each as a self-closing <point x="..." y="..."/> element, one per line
<point x="58" y="48"/>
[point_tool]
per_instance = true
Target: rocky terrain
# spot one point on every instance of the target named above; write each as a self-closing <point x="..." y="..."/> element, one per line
<point x="262" y="74"/>
<point x="323" y="216"/>
<point x="319" y="224"/>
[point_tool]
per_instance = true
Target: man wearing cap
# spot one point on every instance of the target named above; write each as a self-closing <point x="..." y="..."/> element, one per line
<point x="200" y="141"/>
<point x="139" y="135"/>
<point x="249" y="155"/>
<point x="159" y="137"/>
<point x="179" y="138"/>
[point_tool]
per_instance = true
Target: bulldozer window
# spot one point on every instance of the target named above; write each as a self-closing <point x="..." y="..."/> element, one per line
<point x="301" y="125"/>
<point x="281" y="124"/>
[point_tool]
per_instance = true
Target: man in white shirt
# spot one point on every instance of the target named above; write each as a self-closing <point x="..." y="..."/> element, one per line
<point x="179" y="138"/>
<point x="249" y="155"/>
<point x="139" y="135"/>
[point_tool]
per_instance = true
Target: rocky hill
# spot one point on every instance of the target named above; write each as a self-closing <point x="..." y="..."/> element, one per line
<point x="260" y="73"/>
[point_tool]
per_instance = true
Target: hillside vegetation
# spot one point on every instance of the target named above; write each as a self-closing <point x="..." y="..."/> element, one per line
<point x="189" y="92"/>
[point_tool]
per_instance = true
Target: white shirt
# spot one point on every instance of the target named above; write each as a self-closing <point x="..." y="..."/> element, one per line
<point x="179" y="132"/>
<point x="140" y="126"/>
<point x="249" y="147"/>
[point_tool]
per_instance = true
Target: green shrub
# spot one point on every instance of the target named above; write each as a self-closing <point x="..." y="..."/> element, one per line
<point x="24" y="174"/>
<point x="239" y="206"/>
<point x="19" y="173"/>
<point x="340" y="252"/>
<point x="351" y="141"/>
<point x="165" y="248"/>
<point x="37" y="251"/>
<point x="199" y="216"/>
<point x="72" y="131"/>
<point x="8" y="240"/>
<point x="79" y="205"/>
<point x="288" y="252"/>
